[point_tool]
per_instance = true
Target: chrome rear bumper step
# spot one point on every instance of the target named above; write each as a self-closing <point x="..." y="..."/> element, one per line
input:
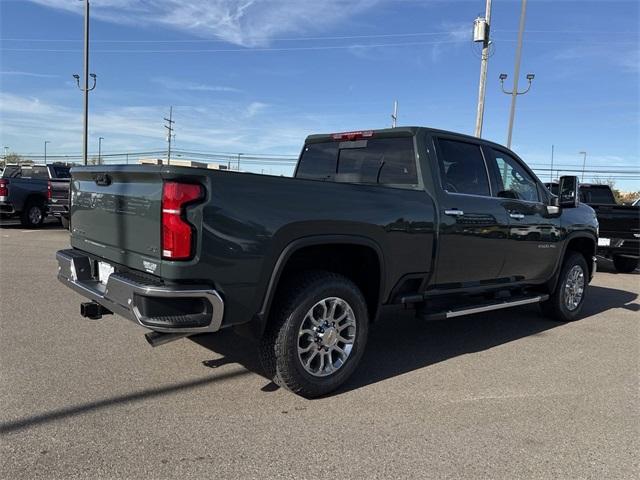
<point x="485" y="307"/>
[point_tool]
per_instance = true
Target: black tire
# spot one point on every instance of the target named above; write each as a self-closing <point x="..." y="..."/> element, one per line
<point x="555" y="308"/>
<point x="625" y="264"/>
<point x="279" y="344"/>
<point x="64" y="222"/>
<point x="32" y="215"/>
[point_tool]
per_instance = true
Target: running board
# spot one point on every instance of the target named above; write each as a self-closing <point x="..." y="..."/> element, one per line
<point x="470" y="310"/>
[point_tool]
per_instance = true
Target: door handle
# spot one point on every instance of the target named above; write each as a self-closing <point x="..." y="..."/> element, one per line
<point x="518" y="216"/>
<point x="454" y="212"/>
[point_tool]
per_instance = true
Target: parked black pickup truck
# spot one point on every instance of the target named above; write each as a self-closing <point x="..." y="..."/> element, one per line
<point x="25" y="191"/>
<point x="443" y="223"/>
<point x="619" y="237"/>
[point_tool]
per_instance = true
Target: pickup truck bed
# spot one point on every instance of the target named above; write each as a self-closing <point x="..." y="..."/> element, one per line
<point x="409" y="217"/>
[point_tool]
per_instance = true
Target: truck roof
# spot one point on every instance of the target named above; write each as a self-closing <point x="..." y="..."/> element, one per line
<point x="395" y="132"/>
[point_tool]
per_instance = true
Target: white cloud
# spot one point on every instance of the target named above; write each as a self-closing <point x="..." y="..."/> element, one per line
<point x="27" y="74"/>
<point x="213" y="126"/>
<point x="174" y="84"/>
<point x="248" y="23"/>
<point x="254" y="108"/>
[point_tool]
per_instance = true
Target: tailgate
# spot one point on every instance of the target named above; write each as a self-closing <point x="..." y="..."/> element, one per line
<point x="59" y="190"/>
<point x="619" y="221"/>
<point x="115" y="214"/>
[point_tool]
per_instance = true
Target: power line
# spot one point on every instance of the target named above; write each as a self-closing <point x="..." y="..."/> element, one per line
<point x="288" y="39"/>
<point x="292" y="49"/>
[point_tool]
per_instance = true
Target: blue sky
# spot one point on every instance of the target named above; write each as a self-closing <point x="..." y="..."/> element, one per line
<point x="258" y="76"/>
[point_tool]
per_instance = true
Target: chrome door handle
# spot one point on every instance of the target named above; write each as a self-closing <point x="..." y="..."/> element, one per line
<point x="519" y="216"/>
<point x="455" y="213"/>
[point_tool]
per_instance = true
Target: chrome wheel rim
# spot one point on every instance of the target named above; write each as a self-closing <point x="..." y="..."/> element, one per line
<point x="326" y="337"/>
<point x="35" y="215"/>
<point x="574" y="288"/>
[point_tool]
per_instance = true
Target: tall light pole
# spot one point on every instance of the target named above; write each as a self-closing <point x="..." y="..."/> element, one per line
<point x="584" y="163"/>
<point x="481" y="33"/>
<point x="239" y="161"/>
<point x="45" y="151"/>
<point x="6" y="152"/>
<point x="516" y="74"/>
<point x="100" y="150"/>
<point x="394" y="115"/>
<point x="85" y="88"/>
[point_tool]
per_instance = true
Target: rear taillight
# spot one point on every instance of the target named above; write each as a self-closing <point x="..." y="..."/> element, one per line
<point x="49" y="190"/>
<point x="177" y="233"/>
<point x="4" y="187"/>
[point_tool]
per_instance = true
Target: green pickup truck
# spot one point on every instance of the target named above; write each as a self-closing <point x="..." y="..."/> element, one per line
<point x="438" y="222"/>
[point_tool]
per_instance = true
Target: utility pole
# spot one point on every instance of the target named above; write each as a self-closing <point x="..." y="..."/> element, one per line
<point x="551" y="180"/>
<point x="481" y="33"/>
<point x="45" y="151"/>
<point x="584" y="163"/>
<point x="6" y="152"/>
<point x="169" y="128"/>
<point x="239" y="161"/>
<point x="100" y="150"/>
<point x="394" y="115"/>
<point x="85" y="88"/>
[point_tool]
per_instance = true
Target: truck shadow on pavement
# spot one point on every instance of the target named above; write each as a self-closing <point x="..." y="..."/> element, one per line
<point x="400" y="343"/>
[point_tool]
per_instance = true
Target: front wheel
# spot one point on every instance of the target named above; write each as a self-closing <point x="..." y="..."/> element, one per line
<point x="625" y="264"/>
<point x="565" y="303"/>
<point x="316" y="334"/>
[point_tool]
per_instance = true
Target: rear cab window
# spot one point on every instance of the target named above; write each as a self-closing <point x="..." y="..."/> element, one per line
<point x="61" y="171"/>
<point x="389" y="162"/>
<point x="601" y="194"/>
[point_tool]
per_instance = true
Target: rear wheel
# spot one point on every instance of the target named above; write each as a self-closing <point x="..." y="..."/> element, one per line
<point x="33" y="214"/>
<point x="565" y="303"/>
<point x="316" y="335"/>
<point x="625" y="264"/>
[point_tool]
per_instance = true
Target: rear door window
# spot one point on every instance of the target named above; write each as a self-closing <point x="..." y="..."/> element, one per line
<point x="462" y="168"/>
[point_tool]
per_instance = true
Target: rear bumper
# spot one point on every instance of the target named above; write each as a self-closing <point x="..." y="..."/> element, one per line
<point x="6" y="206"/>
<point x="58" y="210"/>
<point x="620" y="246"/>
<point x="153" y="306"/>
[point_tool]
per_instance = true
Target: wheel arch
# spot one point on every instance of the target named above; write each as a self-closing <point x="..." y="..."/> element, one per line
<point x="580" y="242"/>
<point x="325" y="243"/>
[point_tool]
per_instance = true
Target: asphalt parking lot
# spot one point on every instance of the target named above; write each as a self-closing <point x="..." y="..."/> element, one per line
<point x="504" y="394"/>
